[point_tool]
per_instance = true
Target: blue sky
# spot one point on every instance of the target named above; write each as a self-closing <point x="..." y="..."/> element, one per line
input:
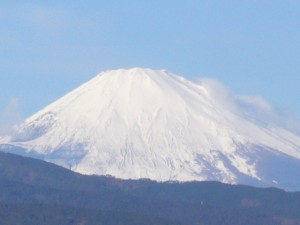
<point x="47" y="48"/>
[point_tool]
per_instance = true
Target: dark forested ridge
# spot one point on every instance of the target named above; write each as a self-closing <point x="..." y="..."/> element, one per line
<point x="35" y="192"/>
<point x="36" y="214"/>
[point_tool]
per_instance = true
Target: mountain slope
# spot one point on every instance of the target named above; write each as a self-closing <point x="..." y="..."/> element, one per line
<point x="141" y="123"/>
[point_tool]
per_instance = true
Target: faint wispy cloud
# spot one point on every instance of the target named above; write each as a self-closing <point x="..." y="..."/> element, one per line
<point x="37" y="16"/>
<point x="255" y="107"/>
<point x="45" y="18"/>
<point x="10" y="116"/>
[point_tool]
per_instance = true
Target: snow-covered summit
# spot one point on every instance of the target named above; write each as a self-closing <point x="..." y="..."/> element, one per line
<point x="143" y="123"/>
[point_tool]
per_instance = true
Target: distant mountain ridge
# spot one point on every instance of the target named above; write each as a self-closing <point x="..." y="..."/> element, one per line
<point x="143" y="123"/>
<point x="36" y="192"/>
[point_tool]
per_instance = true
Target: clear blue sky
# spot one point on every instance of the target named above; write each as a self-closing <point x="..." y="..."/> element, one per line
<point x="47" y="48"/>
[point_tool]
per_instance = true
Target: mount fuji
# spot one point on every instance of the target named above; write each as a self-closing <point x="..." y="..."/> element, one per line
<point x="143" y="123"/>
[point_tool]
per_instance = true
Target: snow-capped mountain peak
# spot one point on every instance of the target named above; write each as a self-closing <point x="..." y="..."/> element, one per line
<point x="143" y="123"/>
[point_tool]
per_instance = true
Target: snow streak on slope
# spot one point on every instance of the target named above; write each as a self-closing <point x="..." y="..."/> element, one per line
<point x="141" y="123"/>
